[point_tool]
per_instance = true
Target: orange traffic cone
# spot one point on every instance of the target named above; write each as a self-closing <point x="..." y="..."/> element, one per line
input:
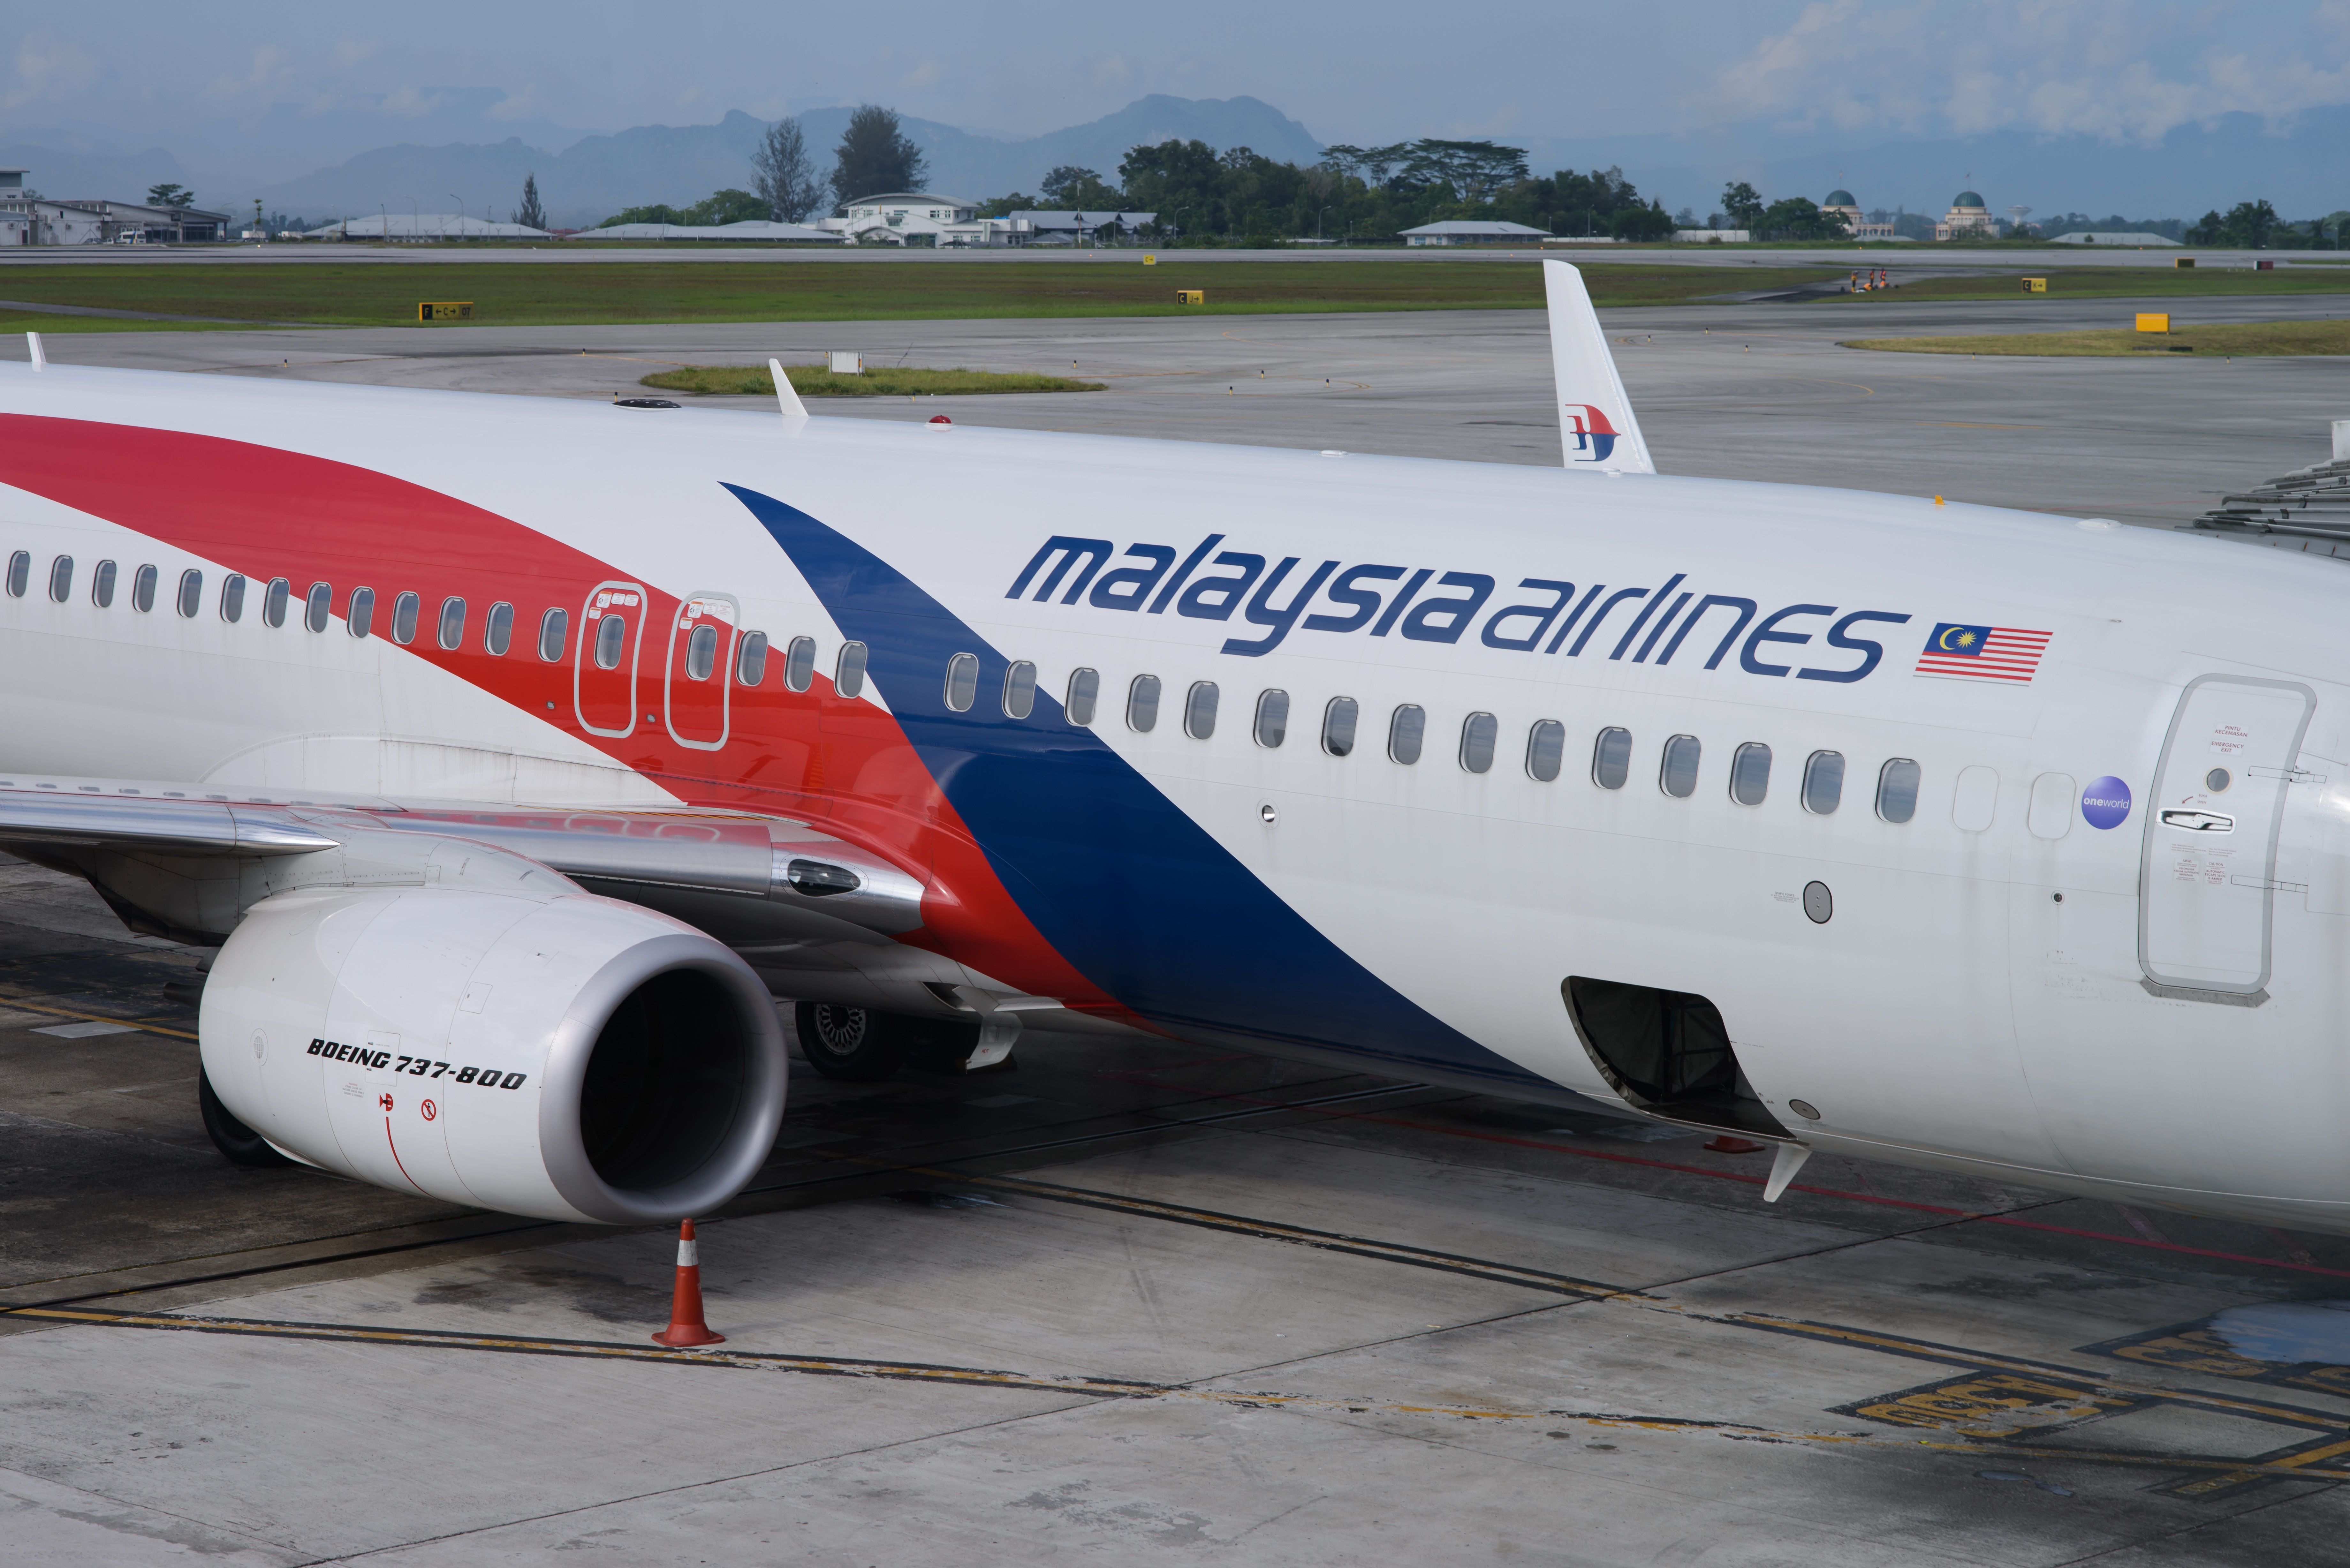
<point x="686" y="1326"/>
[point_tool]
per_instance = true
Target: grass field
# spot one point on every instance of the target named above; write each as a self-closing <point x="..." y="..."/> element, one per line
<point x="2243" y="340"/>
<point x="518" y="294"/>
<point x="2112" y="282"/>
<point x="886" y="381"/>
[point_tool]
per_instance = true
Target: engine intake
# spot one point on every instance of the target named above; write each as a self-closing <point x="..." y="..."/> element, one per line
<point x="556" y="1055"/>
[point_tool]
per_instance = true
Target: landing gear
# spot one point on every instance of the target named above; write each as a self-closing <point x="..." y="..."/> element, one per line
<point x="859" y="1046"/>
<point x="238" y="1143"/>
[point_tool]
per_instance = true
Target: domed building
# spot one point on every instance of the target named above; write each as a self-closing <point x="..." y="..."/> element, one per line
<point x="1842" y="201"/>
<point x="1968" y="219"/>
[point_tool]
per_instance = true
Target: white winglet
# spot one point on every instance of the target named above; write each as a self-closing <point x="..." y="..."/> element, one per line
<point x="33" y="342"/>
<point x="1595" y="425"/>
<point x="790" y="400"/>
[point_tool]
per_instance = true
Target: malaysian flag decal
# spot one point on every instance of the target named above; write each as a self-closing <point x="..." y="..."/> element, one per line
<point x="2003" y="653"/>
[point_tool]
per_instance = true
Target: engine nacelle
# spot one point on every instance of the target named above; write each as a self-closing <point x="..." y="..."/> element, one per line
<point x="550" y="1053"/>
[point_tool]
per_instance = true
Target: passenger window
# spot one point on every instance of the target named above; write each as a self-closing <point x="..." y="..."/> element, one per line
<point x="1611" y="759"/>
<point x="1405" y="730"/>
<point x="702" y="652"/>
<point x="1272" y="718"/>
<point x="963" y="681"/>
<point x="405" y="608"/>
<point x="553" y="628"/>
<point x="1545" y="750"/>
<point x="751" y="660"/>
<point x="1200" y="711"/>
<point x="272" y="601"/>
<point x="1085" y="691"/>
<point x="1019" y="689"/>
<point x="1678" y="777"/>
<point x="1339" y="726"/>
<point x="1750" y="774"/>
<point x="498" y="636"/>
<point x="358" y="615"/>
<point x="799" y="666"/>
<point x="1142" y="704"/>
<point x="611" y="641"/>
<point x="318" y="605"/>
<point x="192" y="593"/>
<point x="1896" y="789"/>
<point x="848" y="674"/>
<point x="452" y="624"/>
<point x="1478" y="733"/>
<point x="20" y="572"/>
<point x="101" y="585"/>
<point x="142" y="589"/>
<point x="231" y="604"/>
<point x="1824" y="782"/>
<point x="61" y="578"/>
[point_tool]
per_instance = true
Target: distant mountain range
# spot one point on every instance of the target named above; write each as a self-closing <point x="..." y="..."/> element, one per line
<point x="584" y="179"/>
<point x="598" y="175"/>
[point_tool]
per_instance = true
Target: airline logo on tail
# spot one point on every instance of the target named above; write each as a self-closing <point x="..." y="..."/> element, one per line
<point x="1590" y="437"/>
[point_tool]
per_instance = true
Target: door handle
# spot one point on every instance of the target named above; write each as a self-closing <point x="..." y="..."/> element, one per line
<point x="2199" y="821"/>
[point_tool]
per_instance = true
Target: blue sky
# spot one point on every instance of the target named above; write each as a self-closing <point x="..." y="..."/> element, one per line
<point x="262" y="89"/>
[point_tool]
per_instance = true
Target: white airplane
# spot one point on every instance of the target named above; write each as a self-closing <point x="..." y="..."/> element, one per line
<point x="514" y="754"/>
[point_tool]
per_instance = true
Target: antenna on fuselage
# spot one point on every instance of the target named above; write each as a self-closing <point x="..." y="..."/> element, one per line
<point x="786" y="395"/>
<point x="1595" y="425"/>
<point x="33" y="342"/>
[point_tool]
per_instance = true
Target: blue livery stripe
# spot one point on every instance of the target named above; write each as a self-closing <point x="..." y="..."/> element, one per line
<point x="1125" y="886"/>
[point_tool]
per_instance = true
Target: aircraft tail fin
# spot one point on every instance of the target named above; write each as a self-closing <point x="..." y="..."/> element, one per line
<point x="1597" y="426"/>
<point x="788" y="398"/>
<point x="34" y="351"/>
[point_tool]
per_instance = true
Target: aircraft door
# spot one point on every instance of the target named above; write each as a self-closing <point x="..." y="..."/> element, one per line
<point x="701" y="669"/>
<point x="604" y="664"/>
<point x="2207" y="877"/>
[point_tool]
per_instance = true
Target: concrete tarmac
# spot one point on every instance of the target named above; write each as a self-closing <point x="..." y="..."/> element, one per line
<point x="1757" y="390"/>
<point x="1144" y="1303"/>
<point x="1118" y="1304"/>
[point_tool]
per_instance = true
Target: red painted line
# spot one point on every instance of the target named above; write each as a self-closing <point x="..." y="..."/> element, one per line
<point x="2299" y="1267"/>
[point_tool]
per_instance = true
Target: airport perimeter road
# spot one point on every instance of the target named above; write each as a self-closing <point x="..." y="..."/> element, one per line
<point x="1752" y="390"/>
<point x="1119" y="1305"/>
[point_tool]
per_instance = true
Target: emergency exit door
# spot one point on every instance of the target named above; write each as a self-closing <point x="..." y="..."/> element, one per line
<point x="604" y="666"/>
<point x="700" y="674"/>
<point x="2207" y="878"/>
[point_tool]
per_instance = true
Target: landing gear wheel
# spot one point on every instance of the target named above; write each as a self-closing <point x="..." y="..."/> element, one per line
<point x="855" y="1044"/>
<point x="238" y="1143"/>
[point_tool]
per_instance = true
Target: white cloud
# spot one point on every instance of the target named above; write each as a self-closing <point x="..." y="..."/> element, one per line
<point x="270" y="69"/>
<point x="2120" y="70"/>
<point x="1115" y="73"/>
<point x="408" y="103"/>
<point x="927" y="74"/>
<point x="350" y="52"/>
<point x="49" y="70"/>
<point x="518" y="105"/>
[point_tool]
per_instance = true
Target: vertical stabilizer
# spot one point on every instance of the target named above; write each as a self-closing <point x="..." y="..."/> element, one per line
<point x="33" y="350"/>
<point x="786" y="396"/>
<point x="1594" y="418"/>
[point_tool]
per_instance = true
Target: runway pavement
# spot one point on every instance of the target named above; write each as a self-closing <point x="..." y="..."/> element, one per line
<point x="1757" y="390"/>
<point x="1155" y="1304"/>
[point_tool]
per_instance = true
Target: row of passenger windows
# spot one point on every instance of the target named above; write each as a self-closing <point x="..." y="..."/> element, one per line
<point x="1677" y="767"/>
<point x="610" y="632"/>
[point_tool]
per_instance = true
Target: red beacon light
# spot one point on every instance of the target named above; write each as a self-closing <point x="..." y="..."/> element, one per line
<point x="940" y="419"/>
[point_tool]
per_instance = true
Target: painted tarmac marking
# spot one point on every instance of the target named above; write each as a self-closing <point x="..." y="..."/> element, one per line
<point x="1969" y="1214"/>
<point x="2214" y="1470"/>
<point x="95" y="1017"/>
<point x="1997" y="1399"/>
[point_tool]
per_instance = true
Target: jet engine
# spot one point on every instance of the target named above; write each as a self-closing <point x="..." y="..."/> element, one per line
<point x="536" y="1050"/>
